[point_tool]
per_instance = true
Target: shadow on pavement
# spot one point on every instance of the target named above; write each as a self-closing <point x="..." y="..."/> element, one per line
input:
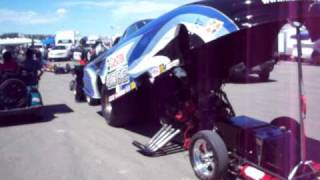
<point x="145" y="128"/>
<point x="45" y="114"/>
<point x="149" y="129"/>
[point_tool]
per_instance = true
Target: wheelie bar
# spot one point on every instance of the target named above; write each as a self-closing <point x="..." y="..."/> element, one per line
<point x="159" y="140"/>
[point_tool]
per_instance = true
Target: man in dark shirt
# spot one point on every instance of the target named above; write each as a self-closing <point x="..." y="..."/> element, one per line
<point x="32" y="65"/>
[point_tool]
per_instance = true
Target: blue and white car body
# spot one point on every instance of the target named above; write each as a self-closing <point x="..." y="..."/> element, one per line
<point x="136" y="53"/>
<point x="138" y="50"/>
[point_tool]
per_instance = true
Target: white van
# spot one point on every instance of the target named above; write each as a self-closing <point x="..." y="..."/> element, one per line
<point x="287" y="44"/>
<point x="93" y="39"/>
<point x="66" y="38"/>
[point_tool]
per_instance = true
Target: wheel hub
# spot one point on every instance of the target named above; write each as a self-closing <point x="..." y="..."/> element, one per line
<point x="204" y="160"/>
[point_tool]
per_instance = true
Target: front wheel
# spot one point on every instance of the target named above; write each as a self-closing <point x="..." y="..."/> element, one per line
<point x="92" y="101"/>
<point x="208" y="155"/>
<point x="117" y="113"/>
<point x="67" y="68"/>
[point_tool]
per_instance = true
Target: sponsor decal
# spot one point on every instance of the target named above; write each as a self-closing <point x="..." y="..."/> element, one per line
<point x="213" y="25"/>
<point x="117" y="77"/>
<point x="115" y="61"/>
<point x="120" y="92"/>
<point x="133" y="85"/>
<point x="162" y="68"/>
<point x="154" y="72"/>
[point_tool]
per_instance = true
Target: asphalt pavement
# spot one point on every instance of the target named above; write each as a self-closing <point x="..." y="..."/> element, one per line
<point x="71" y="141"/>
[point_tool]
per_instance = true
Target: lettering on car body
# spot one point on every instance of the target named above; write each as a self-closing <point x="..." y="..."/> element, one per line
<point x="117" y="77"/>
<point x="115" y="62"/>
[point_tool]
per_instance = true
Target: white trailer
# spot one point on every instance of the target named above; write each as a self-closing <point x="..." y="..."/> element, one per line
<point x="67" y="38"/>
<point x="287" y="43"/>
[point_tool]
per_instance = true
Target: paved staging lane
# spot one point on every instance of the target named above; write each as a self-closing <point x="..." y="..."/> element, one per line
<point x="279" y="96"/>
<point x="73" y="142"/>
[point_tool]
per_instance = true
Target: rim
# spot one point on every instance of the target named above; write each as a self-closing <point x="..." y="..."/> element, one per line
<point x="107" y="106"/>
<point x="203" y="159"/>
<point x="88" y="99"/>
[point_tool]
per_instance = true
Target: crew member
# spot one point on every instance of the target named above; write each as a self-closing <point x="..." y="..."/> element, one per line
<point x="9" y="63"/>
<point x="32" y="65"/>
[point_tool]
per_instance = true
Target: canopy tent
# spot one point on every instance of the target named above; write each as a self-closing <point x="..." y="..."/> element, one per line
<point x="15" y="41"/>
<point x="48" y="41"/>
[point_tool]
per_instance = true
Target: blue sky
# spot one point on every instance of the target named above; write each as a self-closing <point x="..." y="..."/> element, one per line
<point x="99" y="17"/>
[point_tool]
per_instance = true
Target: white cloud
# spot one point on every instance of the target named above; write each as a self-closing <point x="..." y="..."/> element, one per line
<point x="142" y="8"/>
<point x="133" y="6"/>
<point x="90" y="3"/>
<point x="61" y="12"/>
<point x="124" y="12"/>
<point x="30" y="17"/>
<point x="130" y="11"/>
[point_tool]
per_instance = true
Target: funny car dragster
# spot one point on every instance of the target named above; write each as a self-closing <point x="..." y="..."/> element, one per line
<point x="174" y="67"/>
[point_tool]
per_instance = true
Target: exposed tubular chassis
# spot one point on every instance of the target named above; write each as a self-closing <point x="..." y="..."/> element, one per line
<point x="213" y="62"/>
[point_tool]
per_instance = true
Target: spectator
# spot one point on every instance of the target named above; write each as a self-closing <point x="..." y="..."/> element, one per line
<point x="9" y="63"/>
<point x="83" y="61"/>
<point x="39" y="58"/>
<point x="91" y="54"/>
<point x="31" y="64"/>
<point x="316" y="45"/>
<point x="45" y="52"/>
<point x="315" y="56"/>
<point x="99" y="48"/>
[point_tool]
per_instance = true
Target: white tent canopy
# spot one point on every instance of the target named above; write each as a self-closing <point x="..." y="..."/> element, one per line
<point x="18" y="41"/>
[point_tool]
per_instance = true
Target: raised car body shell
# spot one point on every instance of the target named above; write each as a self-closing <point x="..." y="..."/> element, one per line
<point x="138" y="51"/>
<point x="136" y="54"/>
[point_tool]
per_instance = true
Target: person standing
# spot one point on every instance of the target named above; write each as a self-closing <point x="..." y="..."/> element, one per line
<point x="32" y="65"/>
<point x="315" y="56"/>
<point x="9" y="63"/>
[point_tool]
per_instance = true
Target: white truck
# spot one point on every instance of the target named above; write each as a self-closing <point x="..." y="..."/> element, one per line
<point x="92" y="39"/>
<point x="287" y="45"/>
<point x="66" y="38"/>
